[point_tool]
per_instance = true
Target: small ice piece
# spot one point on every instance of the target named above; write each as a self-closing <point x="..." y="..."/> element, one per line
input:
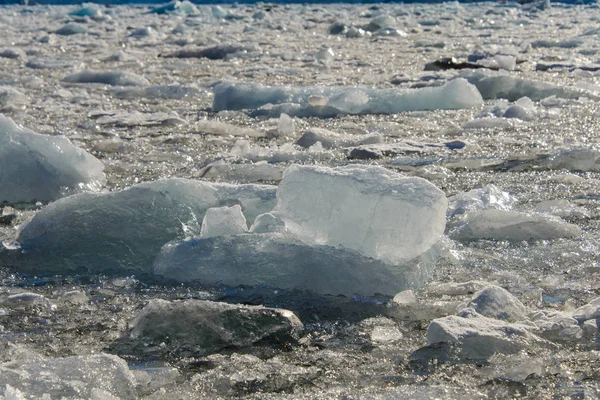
<point x="487" y="197"/>
<point x="43" y="168"/>
<point x="496" y="302"/>
<point x="74" y="297"/>
<point x="124" y="230"/>
<point x="88" y="10"/>
<point x="480" y="337"/>
<point x="590" y="329"/>
<point x="589" y="311"/>
<point x="456" y="289"/>
<point x="566" y="179"/>
<point x="218" y="12"/>
<point x="380" y="330"/>
<point x="202" y="327"/>
<point x="143" y="32"/>
<point x="71" y="29"/>
<point x="286" y="125"/>
<point x="13" y="53"/>
<point x="331" y="139"/>
<point x="517" y="111"/>
<point x="70" y="377"/>
<point x="325" y="56"/>
<point x="266" y="223"/>
<point x="508" y="63"/>
<point x="281" y="261"/>
<point x="113" y="78"/>
<point x="584" y="160"/>
<point x="405" y="297"/>
<point x="372" y="210"/>
<point x="557" y="326"/>
<point x="223" y="221"/>
<point x="512" y="226"/>
<point x="11" y="99"/>
<point x="136" y="118"/>
<point x="219" y="52"/>
<point x="380" y="22"/>
<point x="562" y="208"/>
<point x="180" y="7"/>
<point x="456" y="94"/>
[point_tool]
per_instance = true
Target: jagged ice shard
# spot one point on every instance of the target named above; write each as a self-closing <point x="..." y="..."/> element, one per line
<point x="456" y="94"/>
<point x="354" y="229"/>
<point x="124" y="230"/>
<point x="35" y="167"/>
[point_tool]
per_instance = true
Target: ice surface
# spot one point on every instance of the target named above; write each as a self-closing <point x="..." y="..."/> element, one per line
<point x="512" y="226"/>
<point x="372" y="210"/>
<point x="113" y="78"/>
<point x="125" y="229"/>
<point x="456" y="94"/>
<point x="44" y="168"/>
<point x="281" y="261"/>
<point x="480" y="337"/>
<point x="223" y="221"/>
<point x="71" y="377"/>
<point x="487" y="197"/>
<point x="331" y="139"/>
<point x="197" y="327"/>
<point x="496" y="302"/>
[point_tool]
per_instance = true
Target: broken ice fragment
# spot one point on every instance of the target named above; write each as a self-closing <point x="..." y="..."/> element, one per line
<point x="113" y="78"/>
<point x="223" y="221"/>
<point x="43" y="168"/>
<point x="197" y="327"/>
<point x="496" y="302"/>
<point x="512" y="226"/>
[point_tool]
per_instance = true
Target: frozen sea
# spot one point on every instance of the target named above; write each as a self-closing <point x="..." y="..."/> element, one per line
<point x="303" y="201"/>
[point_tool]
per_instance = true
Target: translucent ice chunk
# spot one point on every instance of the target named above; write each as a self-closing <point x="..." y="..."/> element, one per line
<point x="487" y="197"/>
<point x="499" y="86"/>
<point x="281" y="261"/>
<point x="512" y="226"/>
<point x="223" y="221"/>
<point x="122" y="230"/>
<point x="11" y="99"/>
<point x="113" y="78"/>
<point x="368" y="209"/>
<point x="43" y="168"/>
<point x="71" y="29"/>
<point x="202" y="327"/>
<point x="176" y="92"/>
<point x="331" y="139"/>
<point x="496" y="302"/>
<point x="456" y="94"/>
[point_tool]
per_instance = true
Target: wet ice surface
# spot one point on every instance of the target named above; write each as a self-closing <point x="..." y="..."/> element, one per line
<point x="512" y="306"/>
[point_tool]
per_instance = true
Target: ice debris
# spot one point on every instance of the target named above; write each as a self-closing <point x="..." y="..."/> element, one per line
<point x="496" y="302"/>
<point x="223" y="221"/>
<point x="330" y="139"/>
<point x="198" y="327"/>
<point x="166" y="92"/>
<point x="43" y="168"/>
<point x="372" y="210"/>
<point x="487" y="197"/>
<point x="70" y="377"/>
<point x="456" y="94"/>
<point x="512" y="226"/>
<point x="501" y="86"/>
<point x="589" y="311"/>
<point x="580" y="159"/>
<point x="242" y="173"/>
<point x="479" y="337"/>
<point x="114" y="232"/>
<point x="212" y="53"/>
<point x="113" y="78"/>
<point x="71" y="29"/>
<point x="11" y="99"/>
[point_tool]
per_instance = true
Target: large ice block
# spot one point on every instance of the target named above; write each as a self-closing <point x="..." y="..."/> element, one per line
<point x="36" y="167"/>
<point x="456" y="94"/>
<point x="280" y="261"/>
<point x="371" y="210"/>
<point x="117" y="231"/>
